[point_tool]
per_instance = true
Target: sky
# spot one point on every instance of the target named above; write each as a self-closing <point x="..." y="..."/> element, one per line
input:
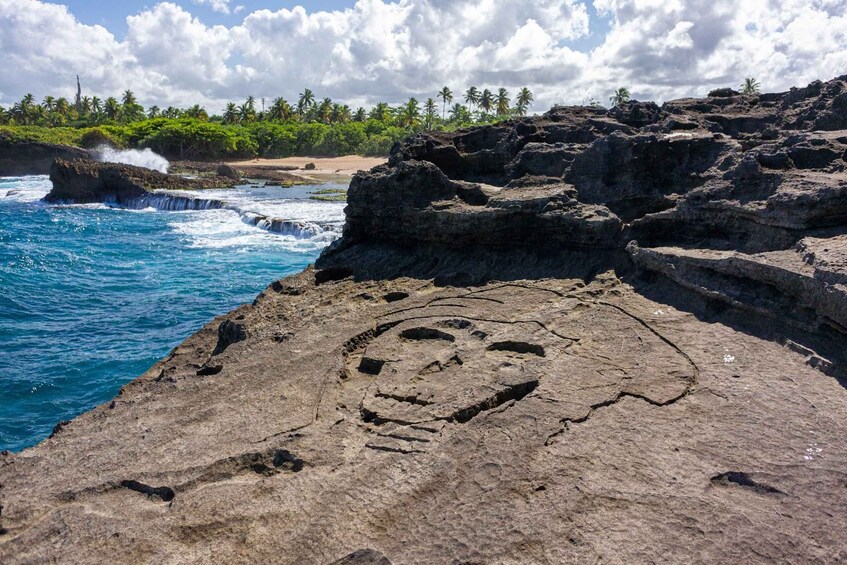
<point x="184" y="52"/>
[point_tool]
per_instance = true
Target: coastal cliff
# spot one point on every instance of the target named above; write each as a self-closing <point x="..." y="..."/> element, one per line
<point x="588" y="336"/>
<point x="83" y="181"/>
<point x="18" y="158"/>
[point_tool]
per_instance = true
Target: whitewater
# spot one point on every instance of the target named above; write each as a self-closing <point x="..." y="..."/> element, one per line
<point x="93" y="295"/>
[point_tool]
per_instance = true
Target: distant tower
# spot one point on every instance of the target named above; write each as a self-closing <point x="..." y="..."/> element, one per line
<point x="78" y="100"/>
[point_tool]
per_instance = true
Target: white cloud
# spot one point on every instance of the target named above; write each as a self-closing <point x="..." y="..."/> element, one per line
<point x="383" y="50"/>
<point x="221" y="6"/>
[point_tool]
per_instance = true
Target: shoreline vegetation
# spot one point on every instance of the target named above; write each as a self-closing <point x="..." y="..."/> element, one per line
<point x="249" y="130"/>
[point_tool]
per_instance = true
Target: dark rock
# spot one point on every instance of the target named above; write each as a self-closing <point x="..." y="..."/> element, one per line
<point x="332" y="274"/>
<point x="229" y="333"/>
<point x="59" y="427"/>
<point x="83" y="181"/>
<point x="309" y="167"/>
<point x="723" y="93"/>
<point x="228" y="171"/>
<point x="33" y="158"/>
<point x="637" y="114"/>
<point x="363" y="557"/>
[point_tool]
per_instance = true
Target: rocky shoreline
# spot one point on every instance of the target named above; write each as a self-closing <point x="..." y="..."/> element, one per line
<point x="83" y="181"/>
<point x="588" y="336"/>
<point x="34" y="158"/>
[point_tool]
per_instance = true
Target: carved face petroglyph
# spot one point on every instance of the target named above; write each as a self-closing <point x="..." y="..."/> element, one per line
<point x="449" y="361"/>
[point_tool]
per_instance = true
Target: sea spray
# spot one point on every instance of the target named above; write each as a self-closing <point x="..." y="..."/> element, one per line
<point x="301" y="229"/>
<point x="140" y="158"/>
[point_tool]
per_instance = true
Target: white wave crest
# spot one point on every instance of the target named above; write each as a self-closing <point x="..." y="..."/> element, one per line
<point x="24" y="189"/>
<point x="140" y="158"/>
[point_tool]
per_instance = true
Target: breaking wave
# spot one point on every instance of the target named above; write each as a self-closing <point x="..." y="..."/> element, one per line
<point x="140" y="158"/>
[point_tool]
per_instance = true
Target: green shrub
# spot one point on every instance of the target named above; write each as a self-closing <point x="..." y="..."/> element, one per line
<point x="95" y="137"/>
<point x="194" y="139"/>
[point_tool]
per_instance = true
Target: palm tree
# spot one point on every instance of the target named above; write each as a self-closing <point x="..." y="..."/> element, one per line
<point x="524" y="101"/>
<point x="96" y="106"/>
<point x="750" y="86"/>
<point x="231" y="115"/>
<point x="472" y="97"/>
<point x="39" y="115"/>
<point x="280" y="110"/>
<point x="153" y="112"/>
<point x="430" y="109"/>
<point x="503" y="102"/>
<point x="338" y="115"/>
<point x="112" y="108"/>
<point x="131" y="110"/>
<point x="26" y="111"/>
<point x="460" y="114"/>
<point x="63" y="110"/>
<point x="446" y="96"/>
<point x="247" y="111"/>
<point x="360" y="115"/>
<point x="381" y="112"/>
<point x="198" y="113"/>
<point x="486" y="101"/>
<point x="409" y="114"/>
<point x="85" y="105"/>
<point x="621" y="96"/>
<point x="49" y="103"/>
<point x="172" y="112"/>
<point x="129" y="98"/>
<point x="307" y="99"/>
<point x="324" y="110"/>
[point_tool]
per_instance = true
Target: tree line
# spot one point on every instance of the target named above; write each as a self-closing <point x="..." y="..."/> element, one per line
<point x="481" y="106"/>
<point x="308" y="126"/>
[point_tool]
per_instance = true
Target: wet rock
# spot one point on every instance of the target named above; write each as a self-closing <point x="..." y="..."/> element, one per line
<point x="83" y="181"/>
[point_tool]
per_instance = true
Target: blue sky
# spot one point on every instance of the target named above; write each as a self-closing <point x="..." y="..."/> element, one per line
<point x="566" y="51"/>
<point x="112" y="15"/>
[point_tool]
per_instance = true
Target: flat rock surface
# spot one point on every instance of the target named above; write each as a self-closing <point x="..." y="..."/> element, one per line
<point x="510" y="423"/>
<point x="588" y="337"/>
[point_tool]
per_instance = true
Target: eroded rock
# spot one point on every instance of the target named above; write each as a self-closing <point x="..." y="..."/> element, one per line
<point x="588" y="336"/>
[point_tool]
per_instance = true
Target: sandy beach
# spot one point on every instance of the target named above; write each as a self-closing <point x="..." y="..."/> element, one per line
<point x="325" y="167"/>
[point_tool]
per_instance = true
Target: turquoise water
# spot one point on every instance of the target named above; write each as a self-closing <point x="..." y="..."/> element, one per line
<point x="91" y="296"/>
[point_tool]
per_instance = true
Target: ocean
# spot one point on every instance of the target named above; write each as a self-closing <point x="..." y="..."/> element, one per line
<point x="91" y="296"/>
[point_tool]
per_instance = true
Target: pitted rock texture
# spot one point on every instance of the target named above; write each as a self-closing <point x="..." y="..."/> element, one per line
<point x="751" y="173"/>
<point x="587" y="337"/>
<point x="512" y="422"/>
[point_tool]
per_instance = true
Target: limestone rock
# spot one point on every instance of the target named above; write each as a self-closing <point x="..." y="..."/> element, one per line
<point x="84" y="181"/>
<point x="589" y="336"/>
<point x="33" y="158"/>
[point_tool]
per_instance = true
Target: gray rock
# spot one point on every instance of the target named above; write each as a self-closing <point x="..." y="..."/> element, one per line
<point x="228" y="171"/>
<point x="559" y="339"/>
